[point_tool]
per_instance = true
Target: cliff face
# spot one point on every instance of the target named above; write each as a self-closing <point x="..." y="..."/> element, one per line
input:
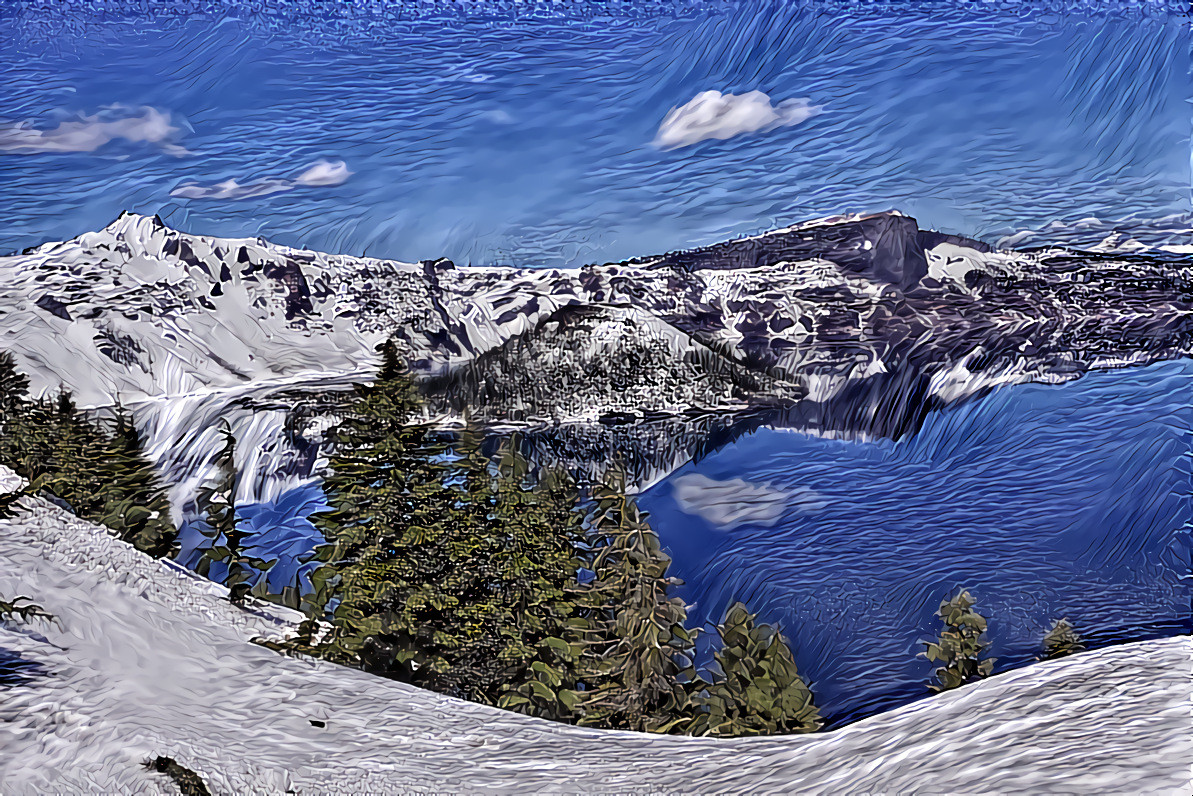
<point x="883" y="247"/>
<point x="856" y="323"/>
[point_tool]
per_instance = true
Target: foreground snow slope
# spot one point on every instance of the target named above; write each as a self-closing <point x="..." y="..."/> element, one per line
<point x="145" y="660"/>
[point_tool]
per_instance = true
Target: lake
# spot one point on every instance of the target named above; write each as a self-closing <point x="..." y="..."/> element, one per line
<point x="1045" y="501"/>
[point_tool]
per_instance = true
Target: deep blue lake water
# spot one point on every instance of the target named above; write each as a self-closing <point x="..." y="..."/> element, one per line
<point x="1045" y="501"/>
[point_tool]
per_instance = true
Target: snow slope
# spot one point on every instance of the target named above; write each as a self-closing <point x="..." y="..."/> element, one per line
<point x="145" y="659"/>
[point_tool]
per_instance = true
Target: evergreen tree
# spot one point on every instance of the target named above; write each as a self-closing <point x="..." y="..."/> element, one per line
<point x="100" y="473"/>
<point x="1062" y="639"/>
<point x="638" y="651"/>
<point x="227" y="538"/>
<point x="759" y="691"/>
<point x="452" y="573"/>
<point x="14" y="386"/>
<point x="395" y="536"/>
<point x="961" y="646"/>
<point x="134" y="501"/>
<point x="543" y="529"/>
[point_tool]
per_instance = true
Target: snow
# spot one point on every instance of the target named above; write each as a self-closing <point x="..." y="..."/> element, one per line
<point x="950" y="261"/>
<point x="145" y="659"/>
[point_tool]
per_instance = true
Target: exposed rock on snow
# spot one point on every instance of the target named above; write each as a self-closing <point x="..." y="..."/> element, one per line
<point x="138" y="309"/>
<point x="145" y="659"/>
<point x="863" y="321"/>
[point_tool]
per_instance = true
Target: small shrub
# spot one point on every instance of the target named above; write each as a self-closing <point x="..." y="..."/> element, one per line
<point x="759" y="691"/>
<point x="187" y="781"/>
<point x="961" y="645"/>
<point x="1062" y="640"/>
<point x="15" y="610"/>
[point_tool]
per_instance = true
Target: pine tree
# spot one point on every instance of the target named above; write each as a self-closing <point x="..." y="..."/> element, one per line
<point x="100" y="473"/>
<point x="394" y="532"/>
<point x="759" y="691"/>
<point x="1062" y="639"/>
<point x="961" y="646"/>
<point x="227" y="537"/>
<point x="454" y="573"/>
<point x="14" y="386"/>
<point x="134" y="501"/>
<point x="536" y="572"/>
<point x="639" y="653"/>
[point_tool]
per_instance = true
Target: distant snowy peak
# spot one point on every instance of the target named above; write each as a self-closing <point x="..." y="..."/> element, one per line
<point x="138" y="309"/>
<point x="1171" y="234"/>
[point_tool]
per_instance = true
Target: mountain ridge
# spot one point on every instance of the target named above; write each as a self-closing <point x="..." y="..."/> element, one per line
<point x="902" y="320"/>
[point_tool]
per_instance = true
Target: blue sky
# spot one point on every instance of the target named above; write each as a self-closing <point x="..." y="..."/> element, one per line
<point x="532" y="136"/>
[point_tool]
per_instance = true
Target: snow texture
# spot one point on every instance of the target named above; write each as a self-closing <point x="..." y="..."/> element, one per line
<point x="146" y="659"/>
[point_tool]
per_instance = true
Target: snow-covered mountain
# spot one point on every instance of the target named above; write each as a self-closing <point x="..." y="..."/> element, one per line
<point x="854" y="322"/>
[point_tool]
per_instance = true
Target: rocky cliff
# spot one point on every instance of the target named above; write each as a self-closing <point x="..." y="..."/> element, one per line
<point x="855" y="323"/>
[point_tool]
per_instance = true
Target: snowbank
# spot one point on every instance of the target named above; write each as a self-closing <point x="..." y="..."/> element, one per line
<point x="146" y="659"/>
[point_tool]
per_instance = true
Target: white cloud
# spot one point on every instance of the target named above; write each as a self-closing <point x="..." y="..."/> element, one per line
<point x="231" y="189"/>
<point x="319" y="173"/>
<point x="325" y="172"/>
<point x="711" y="114"/>
<point x="89" y="133"/>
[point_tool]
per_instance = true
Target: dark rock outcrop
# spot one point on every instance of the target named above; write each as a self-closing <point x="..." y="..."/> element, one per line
<point x="883" y="247"/>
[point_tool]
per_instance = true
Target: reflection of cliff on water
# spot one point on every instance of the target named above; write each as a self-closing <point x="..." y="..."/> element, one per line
<point x="648" y="449"/>
<point x="887" y="405"/>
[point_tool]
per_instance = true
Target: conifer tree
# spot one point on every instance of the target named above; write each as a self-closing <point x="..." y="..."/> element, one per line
<point x="454" y="575"/>
<point x="227" y="538"/>
<point x="536" y="576"/>
<point x="639" y="653"/>
<point x="961" y="646"/>
<point x="134" y="501"/>
<point x="1062" y="639"/>
<point x="758" y="691"/>
<point x="14" y="386"/>
<point x="393" y="531"/>
<point x="100" y="473"/>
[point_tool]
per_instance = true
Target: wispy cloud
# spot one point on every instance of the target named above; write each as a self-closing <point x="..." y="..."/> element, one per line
<point x="711" y="114"/>
<point x="87" y="133"/>
<point x="319" y="173"/>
